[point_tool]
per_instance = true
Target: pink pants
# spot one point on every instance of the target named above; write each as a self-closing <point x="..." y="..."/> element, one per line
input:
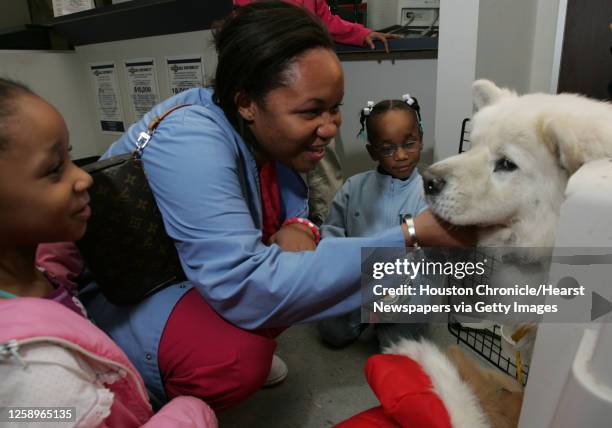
<point x="202" y="355"/>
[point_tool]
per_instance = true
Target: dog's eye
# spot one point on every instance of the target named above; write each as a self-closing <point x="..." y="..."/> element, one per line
<point x="505" y="164"/>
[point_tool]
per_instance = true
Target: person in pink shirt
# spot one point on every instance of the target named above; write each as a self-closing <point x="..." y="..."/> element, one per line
<point x="342" y="31"/>
<point x="51" y="355"/>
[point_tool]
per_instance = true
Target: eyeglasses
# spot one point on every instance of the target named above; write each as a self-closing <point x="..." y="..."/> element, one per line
<point x="388" y="150"/>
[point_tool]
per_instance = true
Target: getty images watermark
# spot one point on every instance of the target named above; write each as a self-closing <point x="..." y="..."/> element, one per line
<point x="20" y="415"/>
<point x="402" y="285"/>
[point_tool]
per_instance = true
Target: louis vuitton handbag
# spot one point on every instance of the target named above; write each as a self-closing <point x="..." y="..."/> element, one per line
<point x="126" y="247"/>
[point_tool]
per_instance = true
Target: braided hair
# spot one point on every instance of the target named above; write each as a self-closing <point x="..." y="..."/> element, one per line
<point x="370" y="112"/>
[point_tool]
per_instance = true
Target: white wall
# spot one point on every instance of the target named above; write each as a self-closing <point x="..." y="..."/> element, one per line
<point x="505" y="42"/>
<point x="516" y="42"/>
<point x="543" y="73"/>
<point x="57" y="77"/>
<point x="456" y="72"/>
<point x="64" y="80"/>
<point x="158" y="47"/>
<point x="510" y="42"/>
<point x="374" y="80"/>
<point x="364" y="80"/>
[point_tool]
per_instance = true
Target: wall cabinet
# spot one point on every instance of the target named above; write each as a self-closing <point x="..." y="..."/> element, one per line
<point x="140" y="18"/>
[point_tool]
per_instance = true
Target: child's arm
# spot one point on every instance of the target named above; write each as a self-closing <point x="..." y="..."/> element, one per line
<point x="341" y="31"/>
<point x="335" y="223"/>
<point x="63" y="261"/>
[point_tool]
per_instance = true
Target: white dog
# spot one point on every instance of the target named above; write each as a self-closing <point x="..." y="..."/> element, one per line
<point x="511" y="182"/>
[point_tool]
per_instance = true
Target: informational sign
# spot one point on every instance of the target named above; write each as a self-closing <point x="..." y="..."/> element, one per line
<point x="65" y="7"/>
<point x="107" y="97"/>
<point x="142" y="85"/>
<point x="184" y="73"/>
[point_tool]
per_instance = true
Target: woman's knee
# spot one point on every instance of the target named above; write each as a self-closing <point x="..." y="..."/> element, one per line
<point x="226" y="375"/>
<point x="220" y="363"/>
<point x="253" y="362"/>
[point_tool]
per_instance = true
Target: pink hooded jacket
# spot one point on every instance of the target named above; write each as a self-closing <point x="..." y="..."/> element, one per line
<point x="52" y="357"/>
<point x="341" y="31"/>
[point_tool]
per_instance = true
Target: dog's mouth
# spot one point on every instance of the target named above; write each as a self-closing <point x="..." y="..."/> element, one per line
<point x="451" y="211"/>
<point x="489" y="229"/>
<point x="446" y="208"/>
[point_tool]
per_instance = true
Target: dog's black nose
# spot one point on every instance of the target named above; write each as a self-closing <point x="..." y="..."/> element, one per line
<point x="432" y="183"/>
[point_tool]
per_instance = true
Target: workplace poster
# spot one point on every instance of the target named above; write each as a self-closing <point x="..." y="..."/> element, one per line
<point x="184" y="73"/>
<point x="65" y="7"/>
<point x="142" y="86"/>
<point x="107" y="97"/>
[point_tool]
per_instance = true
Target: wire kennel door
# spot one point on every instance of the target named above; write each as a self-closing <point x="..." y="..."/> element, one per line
<point x="486" y="342"/>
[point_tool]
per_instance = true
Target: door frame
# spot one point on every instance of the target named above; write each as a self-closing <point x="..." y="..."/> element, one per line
<point x="558" y="49"/>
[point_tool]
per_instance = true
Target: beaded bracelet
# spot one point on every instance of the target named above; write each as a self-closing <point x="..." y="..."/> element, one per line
<point x="313" y="227"/>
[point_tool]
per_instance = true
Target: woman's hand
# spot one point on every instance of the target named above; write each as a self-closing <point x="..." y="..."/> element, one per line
<point x="383" y="37"/>
<point x="432" y="231"/>
<point x="294" y="237"/>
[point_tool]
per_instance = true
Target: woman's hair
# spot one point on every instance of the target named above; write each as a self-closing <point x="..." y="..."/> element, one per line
<point x="9" y="91"/>
<point x="257" y="45"/>
<point x="367" y="119"/>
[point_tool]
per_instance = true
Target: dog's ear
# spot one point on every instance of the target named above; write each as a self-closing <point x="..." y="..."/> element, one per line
<point x="485" y="92"/>
<point x="575" y="139"/>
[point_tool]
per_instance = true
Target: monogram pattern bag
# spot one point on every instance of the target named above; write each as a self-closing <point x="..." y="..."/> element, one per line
<point x="126" y="247"/>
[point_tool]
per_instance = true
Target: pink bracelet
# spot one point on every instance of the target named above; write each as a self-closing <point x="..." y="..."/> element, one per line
<point x="313" y="227"/>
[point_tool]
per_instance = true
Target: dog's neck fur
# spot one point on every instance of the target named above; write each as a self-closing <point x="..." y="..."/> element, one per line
<point x="519" y="233"/>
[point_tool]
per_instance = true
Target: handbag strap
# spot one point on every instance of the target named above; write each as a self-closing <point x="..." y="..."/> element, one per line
<point x="145" y="136"/>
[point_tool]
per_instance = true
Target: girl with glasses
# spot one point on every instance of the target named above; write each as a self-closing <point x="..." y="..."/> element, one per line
<point x="374" y="201"/>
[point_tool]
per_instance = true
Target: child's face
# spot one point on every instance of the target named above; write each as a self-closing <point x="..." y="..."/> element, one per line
<point x="43" y="195"/>
<point x="398" y="144"/>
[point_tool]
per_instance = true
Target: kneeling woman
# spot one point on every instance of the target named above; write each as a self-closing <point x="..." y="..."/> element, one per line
<point x="224" y="171"/>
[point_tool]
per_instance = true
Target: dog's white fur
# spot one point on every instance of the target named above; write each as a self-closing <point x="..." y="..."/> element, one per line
<point x="548" y="137"/>
<point x="460" y="401"/>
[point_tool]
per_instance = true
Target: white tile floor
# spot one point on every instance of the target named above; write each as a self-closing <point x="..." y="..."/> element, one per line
<point x="324" y="387"/>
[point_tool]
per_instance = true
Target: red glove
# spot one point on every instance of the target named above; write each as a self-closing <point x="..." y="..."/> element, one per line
<point x="406" y="392"/>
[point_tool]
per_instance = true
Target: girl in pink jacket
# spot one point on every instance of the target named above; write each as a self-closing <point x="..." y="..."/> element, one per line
<point x="51" y="357"/>
<point x="342" y="31"/>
